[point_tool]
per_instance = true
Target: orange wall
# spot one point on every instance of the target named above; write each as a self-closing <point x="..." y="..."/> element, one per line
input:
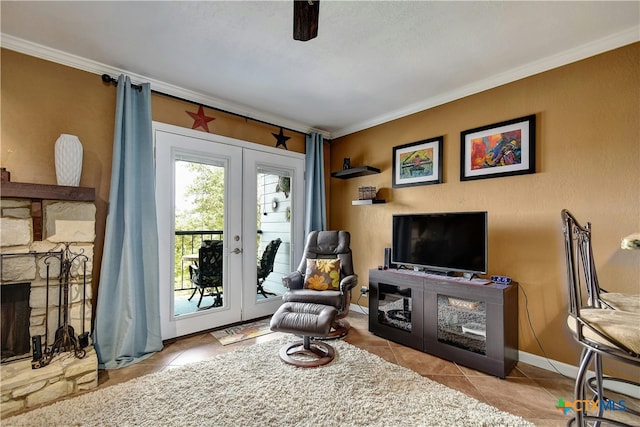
<point x="40" y="100"/>
<point x="588" y="151"/>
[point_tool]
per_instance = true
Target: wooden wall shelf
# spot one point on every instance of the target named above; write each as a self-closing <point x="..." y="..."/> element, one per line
<point x="21" y="190"/>
<point x="39" y="192"/>
<point x="367" y="202"/>
<point x="355" y="172"/>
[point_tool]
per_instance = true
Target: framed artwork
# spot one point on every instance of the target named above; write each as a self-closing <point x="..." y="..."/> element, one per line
<point x="418" y="163"/>
<point x="501" y="149"/>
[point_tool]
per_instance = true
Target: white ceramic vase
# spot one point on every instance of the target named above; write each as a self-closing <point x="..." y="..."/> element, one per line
<point x="68" y="155"/>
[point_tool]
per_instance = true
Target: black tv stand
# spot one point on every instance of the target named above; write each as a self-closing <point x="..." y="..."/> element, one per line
<point x="473" y="322"/>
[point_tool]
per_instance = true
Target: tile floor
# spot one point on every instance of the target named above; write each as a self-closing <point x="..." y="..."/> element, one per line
<point x="528" y="391"/>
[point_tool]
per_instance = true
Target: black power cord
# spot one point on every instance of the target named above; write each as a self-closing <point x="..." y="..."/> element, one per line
<point x="526" y="306"/>
<point x="363" y="291"/>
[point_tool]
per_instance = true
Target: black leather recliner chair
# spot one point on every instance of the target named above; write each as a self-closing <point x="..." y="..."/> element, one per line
<point x="325" y="245"/>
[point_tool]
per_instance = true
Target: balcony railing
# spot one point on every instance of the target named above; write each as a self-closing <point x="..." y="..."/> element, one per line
<point x="188" y="242"/>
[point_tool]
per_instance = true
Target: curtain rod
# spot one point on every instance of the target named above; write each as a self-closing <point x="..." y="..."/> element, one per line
<point x="106" y="78"/>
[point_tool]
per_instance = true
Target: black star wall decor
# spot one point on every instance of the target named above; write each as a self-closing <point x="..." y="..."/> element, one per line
<point x="281" y="139"/>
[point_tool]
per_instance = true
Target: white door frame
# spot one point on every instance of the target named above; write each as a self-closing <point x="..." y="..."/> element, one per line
<point x="238" y="269"/>
<point x="254" y="159"/>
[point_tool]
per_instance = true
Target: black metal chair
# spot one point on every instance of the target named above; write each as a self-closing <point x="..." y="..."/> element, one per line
<point x="613" y="300"/>
<point x="265" y="266"/>
<point x="207" y="274"/>
<point x="602" y="332"/>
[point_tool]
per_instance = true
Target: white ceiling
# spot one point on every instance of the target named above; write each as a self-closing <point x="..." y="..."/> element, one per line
<point x="373" y="61"/>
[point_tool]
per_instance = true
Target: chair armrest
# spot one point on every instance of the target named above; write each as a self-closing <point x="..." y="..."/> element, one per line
<point x="193" y="272"/>
<point x="293" y="280"/>
<point x="348" y="282"/>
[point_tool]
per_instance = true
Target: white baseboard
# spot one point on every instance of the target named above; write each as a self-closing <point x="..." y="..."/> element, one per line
<point x="358" y="309"/>
<point x="571" y="372"/>
<point x="547" y="364"/>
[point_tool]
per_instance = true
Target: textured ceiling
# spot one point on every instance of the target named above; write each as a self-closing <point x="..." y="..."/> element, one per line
<point x="371" y="62"/>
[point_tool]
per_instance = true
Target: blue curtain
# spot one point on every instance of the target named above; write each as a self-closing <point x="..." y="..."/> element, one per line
<point x="315" y="203"/>
<point x="127" y="324"/>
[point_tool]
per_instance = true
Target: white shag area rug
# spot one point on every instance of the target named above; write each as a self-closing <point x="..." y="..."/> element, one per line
<point x="251" y="386"/>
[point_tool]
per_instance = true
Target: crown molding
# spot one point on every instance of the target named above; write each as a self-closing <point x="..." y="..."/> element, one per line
<point x="584" y="51"/>
<point x="614" y="41"/>
<point x="84" y="64"/>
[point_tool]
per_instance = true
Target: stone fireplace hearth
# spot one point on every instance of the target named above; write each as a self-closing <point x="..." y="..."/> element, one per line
<point x="36" y="221"/>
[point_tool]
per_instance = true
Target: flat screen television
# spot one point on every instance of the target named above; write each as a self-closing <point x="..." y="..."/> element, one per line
<point x="441" y="242"/>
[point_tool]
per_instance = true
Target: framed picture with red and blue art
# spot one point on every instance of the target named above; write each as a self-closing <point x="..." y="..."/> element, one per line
<point x="501" y="149"/>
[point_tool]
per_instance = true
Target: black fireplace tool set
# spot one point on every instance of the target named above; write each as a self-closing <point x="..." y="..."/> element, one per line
<point x="65" y="336"/>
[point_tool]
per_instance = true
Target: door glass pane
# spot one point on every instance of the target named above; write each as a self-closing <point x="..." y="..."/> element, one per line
<point x="199" y="224"/>
<point x="273" y="241"/>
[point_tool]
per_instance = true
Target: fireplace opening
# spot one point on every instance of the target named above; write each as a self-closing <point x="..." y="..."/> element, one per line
<point x="16" y="312"/>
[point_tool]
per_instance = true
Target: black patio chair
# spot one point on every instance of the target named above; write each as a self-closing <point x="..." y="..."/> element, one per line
<point x="207" y="274"/>
<point x="265" y="266"/>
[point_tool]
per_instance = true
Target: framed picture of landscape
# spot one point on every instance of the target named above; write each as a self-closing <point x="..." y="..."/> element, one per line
<point x="418" y="163"/>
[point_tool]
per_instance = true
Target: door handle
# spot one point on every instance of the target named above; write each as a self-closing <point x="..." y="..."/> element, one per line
<point x="236" y="251"/>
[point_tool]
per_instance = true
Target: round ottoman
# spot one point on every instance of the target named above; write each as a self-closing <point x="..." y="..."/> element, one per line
<point x="308" y="320"/>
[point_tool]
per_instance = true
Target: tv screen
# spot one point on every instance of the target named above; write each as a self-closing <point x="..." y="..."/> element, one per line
<point x="441" y="242"/>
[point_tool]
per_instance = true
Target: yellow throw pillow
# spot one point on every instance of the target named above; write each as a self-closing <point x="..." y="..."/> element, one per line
<point x="322" y="274"/>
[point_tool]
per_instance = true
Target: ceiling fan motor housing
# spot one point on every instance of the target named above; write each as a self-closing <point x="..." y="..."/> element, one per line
<point x="305" y="19"/>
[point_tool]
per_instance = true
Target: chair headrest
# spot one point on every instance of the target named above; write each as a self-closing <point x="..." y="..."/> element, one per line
<point x="332" y="242"/>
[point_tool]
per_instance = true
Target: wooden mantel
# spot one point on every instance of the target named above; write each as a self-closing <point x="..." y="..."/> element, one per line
<point x="39" y="192"/>
<point x="22" y="190"/>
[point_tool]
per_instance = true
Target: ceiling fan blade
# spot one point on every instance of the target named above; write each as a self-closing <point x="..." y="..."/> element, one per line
<point x="305" y="19"/>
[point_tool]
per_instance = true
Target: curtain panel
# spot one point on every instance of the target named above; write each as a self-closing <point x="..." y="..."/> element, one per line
<point x="127" y="325"/>
<point x="315" y="203"/>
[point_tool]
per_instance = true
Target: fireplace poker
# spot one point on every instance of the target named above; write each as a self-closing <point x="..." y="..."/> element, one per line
<point x="39" y="361"/>
<point x="83" y="339"/>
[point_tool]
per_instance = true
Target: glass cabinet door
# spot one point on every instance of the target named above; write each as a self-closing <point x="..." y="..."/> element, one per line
<point x="395" y="306"/>
<point x="462" y="323"/>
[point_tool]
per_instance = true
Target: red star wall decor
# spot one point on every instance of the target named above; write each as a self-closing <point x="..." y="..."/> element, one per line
<point x="199" y="119"/>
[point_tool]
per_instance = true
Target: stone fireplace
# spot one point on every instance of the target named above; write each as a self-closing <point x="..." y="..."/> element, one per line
<point x="38" y="222"/>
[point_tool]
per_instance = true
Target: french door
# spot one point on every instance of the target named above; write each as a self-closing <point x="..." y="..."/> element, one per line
<point x="239" y="197"/>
